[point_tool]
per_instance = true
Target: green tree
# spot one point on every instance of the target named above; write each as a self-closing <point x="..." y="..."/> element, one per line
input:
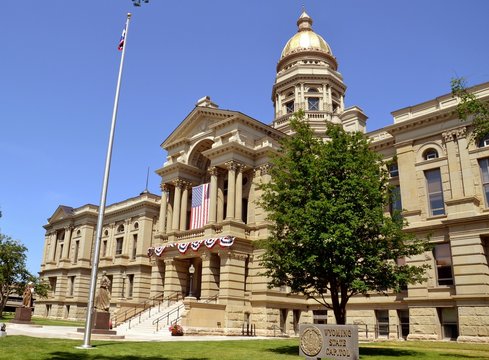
<point x="14" y="275"/>
<point x="470" y="107"/>
<point x="331" y="239"/>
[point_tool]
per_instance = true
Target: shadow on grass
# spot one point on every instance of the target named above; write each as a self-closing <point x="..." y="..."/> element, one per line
<point x="61" y="355"/>
<point x="377" y="351"/>
<point x="285" y="350"/>
<point x="461" y="356"/>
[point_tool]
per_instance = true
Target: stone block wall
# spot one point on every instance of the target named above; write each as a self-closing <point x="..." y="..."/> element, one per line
<point x="473" y="323"/>
<point x="424" y="324"/>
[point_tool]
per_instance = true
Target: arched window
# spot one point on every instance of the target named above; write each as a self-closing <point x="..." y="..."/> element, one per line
<point x="430" y="154"/>
<point x="136" y="225"/>
<point x="120" y="228"/>
<point x="312" y="90"/>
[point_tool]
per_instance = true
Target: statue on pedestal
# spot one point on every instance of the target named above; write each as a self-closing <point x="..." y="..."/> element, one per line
<point x="102" y="300"/>
<point x="27" y="295"/>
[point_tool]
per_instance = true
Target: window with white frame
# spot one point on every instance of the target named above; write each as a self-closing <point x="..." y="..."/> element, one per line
<point x="430" y="154"/>
<point x="435" y="192"/>
<point x="484" y="141"/>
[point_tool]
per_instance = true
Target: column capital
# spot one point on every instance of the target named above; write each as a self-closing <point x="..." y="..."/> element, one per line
<point x="453" y="134"/>
<point x="213" y="171"/>
<point x="231" y="165"/>
<point x="168" y="261"/>
<point x="165" y="187"/>
<point x="265" y="169"/>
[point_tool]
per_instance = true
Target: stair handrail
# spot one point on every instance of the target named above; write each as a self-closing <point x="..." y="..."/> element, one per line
<point x="166" y="316"/>
<point x="137" y="310"/>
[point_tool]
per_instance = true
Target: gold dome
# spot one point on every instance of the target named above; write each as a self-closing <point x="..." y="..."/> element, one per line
<point x="305" y="39"/>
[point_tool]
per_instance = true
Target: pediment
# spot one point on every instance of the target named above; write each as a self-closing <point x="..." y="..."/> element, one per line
<point x="199" y="121"/>
<point x="62" y="213"/>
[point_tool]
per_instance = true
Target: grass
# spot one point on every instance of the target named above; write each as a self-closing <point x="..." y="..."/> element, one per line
<point x="28" y="348"/>
<point x="43" y="321"/>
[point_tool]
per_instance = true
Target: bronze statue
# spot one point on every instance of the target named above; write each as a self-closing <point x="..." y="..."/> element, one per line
<point x="102" y="300"/>
<point x="27" y="295"/>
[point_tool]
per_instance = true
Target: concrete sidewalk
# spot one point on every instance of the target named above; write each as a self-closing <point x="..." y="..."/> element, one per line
<point x="70" y="332"/>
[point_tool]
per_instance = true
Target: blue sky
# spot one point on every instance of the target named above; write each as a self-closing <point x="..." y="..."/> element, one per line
<point x="59" y="64"/>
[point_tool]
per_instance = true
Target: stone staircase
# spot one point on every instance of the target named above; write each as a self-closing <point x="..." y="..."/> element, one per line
<point x="144" y="323"/>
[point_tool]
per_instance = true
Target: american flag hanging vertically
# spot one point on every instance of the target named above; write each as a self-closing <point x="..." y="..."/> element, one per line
<point x="199" y="214"/>
<point x="122" y="40"/>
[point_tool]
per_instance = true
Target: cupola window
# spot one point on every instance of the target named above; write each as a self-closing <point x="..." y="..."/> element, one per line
<point x="313" y="104"/>
<point x="289" y="107"/>
<point x="312" y="90"/>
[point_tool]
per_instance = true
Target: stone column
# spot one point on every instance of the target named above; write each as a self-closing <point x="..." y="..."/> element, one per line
<point x="172" y="282"/>
<point x="213" y="196"/>
<point x="67" y="242"/>
<point x="467" y="174"/>
<point x="453" y="165"/>
<point x="157" y="277"/>
<point x="163" y="208"/>
<point x="303" y="98"/>
<point x="330" y="98"/>
<point x="231" y="190"/>
<point x="239" y="193"/>
<point x="232" y="277"/>
<point x="176" y="204"/>
<point x="184" y="205"/>
<point x="325" y="98"/>
<point x="206" y="279"/>
<point x="220" y="198"/>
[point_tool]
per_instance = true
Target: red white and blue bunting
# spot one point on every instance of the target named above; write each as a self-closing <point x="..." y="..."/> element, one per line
<point x="224" y="242"/>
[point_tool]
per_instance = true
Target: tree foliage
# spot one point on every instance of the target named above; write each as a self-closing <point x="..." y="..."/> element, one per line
<point x="470" y="107"/>
<point x="14" y="275"/>
<point x="331" y="239"/>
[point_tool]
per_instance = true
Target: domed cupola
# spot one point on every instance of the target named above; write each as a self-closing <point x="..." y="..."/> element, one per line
<point x="308" y="79"/>
<point x="306" y="43"/>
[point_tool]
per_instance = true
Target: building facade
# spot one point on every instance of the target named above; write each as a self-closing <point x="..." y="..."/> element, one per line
<point x="198" y="240"/>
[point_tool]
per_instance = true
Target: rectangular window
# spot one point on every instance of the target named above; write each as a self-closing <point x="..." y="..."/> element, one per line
<point x="52" y="285"/>
<point x="60" y="251"/>
<point x="134" y="246"/>
<point x="320" y="316"/>
<point x="118" y="246"/>
<point x="395" y="206"/>
<point x="435" y="192"/>
<point x="449" y="323"/>
<point x="484" y="166"/>
<point x="403" y="316"/>
<point x="130" y="285"/>
<point x="71" y="285"/>
<point x="313" y="104"/>
<point x="77" y="249"/>
<point x="393" y="170"/>
<point x="382" y="317"/>
<point x="443" y="259"/>
<point x="104" y="248"/>
<point x="289" y="107"/>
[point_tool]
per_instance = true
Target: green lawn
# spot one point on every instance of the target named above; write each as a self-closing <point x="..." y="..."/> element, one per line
<point x="42" y="321"/>
<point x="22" y="347"/>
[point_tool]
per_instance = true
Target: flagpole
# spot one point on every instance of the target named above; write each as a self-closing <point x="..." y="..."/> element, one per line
<point x="103" y="198"/>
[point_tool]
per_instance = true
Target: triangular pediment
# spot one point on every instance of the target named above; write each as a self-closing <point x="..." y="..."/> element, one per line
<point x="198" y="121"/>
<point x="62" y="212"/>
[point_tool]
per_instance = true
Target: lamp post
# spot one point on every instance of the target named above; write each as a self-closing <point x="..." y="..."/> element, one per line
<point x="191" y="271"/>
<point x="123" y="283"/>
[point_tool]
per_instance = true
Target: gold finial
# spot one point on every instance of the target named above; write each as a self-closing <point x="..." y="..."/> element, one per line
<point x="129" y="15"/>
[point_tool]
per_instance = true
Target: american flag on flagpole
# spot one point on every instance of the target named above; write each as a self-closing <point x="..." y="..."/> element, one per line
<point x="199" y="214"/>
<point x="123" y="38"/>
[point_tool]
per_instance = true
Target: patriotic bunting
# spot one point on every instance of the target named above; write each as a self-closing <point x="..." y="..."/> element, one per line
<point x="225" y="242"/>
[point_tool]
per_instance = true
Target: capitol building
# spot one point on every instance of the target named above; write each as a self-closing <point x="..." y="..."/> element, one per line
<point x="190" y="253"/>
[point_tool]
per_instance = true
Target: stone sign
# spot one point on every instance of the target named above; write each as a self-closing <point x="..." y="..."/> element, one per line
<point x="329" y="341"/>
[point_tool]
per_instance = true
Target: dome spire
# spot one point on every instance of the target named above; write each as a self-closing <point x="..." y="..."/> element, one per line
<point x="305" y="21"/>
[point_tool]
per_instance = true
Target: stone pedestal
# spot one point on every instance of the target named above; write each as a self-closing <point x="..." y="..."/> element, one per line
<point x="101" y="320"/>
<point x="22" y="316"/>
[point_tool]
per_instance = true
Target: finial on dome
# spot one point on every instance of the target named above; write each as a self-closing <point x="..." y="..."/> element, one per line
<point x="305" y="21"/>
